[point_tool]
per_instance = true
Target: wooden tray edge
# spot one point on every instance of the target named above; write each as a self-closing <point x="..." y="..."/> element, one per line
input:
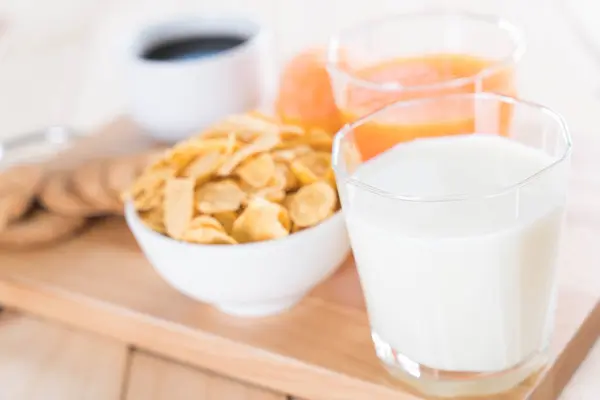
<point x="200" y="349"/>
<point x="555" y="378"/>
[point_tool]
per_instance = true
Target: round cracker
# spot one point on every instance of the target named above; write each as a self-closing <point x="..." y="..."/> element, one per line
<point x="89" y="183"/>
<point x="57" y="196"/>
<point x="41" y="228"/>
<point x="122" y="172"/>
<point x="119" y="176"/>
<point x="18" y="186"/>
<point x="23" y="177"/>
<point x="13" y="206"/>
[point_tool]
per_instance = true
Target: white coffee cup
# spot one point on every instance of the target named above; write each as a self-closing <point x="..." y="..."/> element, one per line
<point x="173" y="99"/>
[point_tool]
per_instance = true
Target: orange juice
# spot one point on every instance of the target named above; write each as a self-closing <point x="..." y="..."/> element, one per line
<point x="421" y="77"/>
<point x="305" y="94"/>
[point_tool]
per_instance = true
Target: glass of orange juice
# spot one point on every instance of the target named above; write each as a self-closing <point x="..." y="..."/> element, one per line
<point x="421" y="55"/>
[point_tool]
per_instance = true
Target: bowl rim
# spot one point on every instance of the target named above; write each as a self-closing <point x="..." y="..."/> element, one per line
<point x="132" y="217"/>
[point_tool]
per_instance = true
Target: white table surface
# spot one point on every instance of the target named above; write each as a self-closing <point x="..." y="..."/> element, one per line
<point x="59" y="64"/>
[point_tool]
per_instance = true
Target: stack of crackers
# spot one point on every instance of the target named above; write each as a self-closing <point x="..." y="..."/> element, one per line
<point x="40" y="205"/>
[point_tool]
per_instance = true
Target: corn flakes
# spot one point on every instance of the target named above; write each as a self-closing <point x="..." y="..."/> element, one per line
<point x="219" y="196"/>
<point x="153" y="219"/>
<point x="226" y="219"/>
<point x="312" y="204"/>
<point x="147" y="190"/>
<point x="261" y="220"/>
<point x="257" y="171"/>
<point x="208" y="235"/>
<point x="261" y="144"/>
<point x="203" y="167"/>
<point x="205" y="221"/>
<point x="290" y="154"/>
<point x="312" y="167"/>
<point x="285" y="178"/>
<point x="178" y="205"/>
<point x="248" y="178"/>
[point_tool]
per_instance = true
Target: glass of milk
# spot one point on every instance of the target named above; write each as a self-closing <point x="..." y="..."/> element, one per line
<point x="456" y="237"/>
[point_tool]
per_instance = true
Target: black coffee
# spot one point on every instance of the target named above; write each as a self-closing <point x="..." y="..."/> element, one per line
<point x="191" y="48"/>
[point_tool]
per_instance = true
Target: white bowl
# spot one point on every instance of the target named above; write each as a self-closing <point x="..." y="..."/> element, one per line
<point x="254" y="279"/>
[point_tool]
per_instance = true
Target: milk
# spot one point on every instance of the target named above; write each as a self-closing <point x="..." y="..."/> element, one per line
<point x="463" y="285"/>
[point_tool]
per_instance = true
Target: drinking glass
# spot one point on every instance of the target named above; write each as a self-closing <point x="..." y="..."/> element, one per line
<point x="456" y="250"/>
<point x="418" y="55"/>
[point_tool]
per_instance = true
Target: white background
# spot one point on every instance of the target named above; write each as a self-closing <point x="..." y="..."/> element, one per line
<point x="59" y="59"/>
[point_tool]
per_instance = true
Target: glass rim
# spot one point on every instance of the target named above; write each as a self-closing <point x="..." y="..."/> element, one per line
<point x="514" y="33"/>
<point x="346" y="129"/>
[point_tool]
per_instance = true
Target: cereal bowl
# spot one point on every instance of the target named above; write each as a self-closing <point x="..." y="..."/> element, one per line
<point x="251" y="279"/>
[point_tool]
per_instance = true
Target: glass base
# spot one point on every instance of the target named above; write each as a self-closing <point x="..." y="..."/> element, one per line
<point x="441" y="383"/>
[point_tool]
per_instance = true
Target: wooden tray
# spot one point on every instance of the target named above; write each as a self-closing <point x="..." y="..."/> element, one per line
<point x="321" y="349"/>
